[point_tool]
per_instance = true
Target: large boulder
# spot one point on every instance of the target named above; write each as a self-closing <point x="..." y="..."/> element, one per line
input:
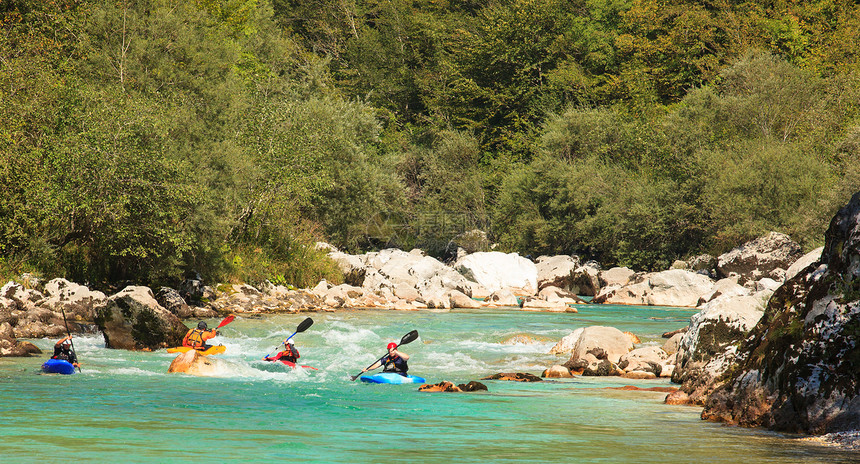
<point x="675" y="287"/>
<point x="762" y="257"/>
<point x="616" y="276"/>
<point x="446" y="278"/>
<point x="724" y="287"/>
<point x="77" y="301"/>
<point x="352" y="267"/>
<point x="495" y="270"/>
<point x="556" y="271"/>
<point x="611" y="341"/>
<point x="798" y="369"/>
<point x="10" y="346"/>
<point x="567" y="343"/>
<point x="502" y="297"/>
<point x="23" y="298"/>
<point x="461" y="300"/>
<point x="555" y="294"/>
<point x="172" y="301"/>
<point x="133" y="320"/>
<point x="634" y="292"/>
<point x="400" y="266"/>
<point x="585" y="279"/>
<point x="710" y="344"/>
<point x="25" y="311"/>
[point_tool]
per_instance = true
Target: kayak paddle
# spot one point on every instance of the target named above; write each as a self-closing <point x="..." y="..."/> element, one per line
<point x="70" y="338"/>
<point x="301" y="328"/>
<point x="408" y="338"/>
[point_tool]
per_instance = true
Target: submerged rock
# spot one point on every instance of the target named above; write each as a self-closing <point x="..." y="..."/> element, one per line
<point x="557" y="372"/>
<point x="515" y="377"/>
<point x="193" y="363"/>
<point x="473" y="386"/>
<point x="446" y="386"/>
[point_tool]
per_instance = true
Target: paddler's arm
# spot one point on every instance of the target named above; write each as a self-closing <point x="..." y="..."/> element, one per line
<point x="404" y="356"/>
<point x="372" y="366"/>
<point x="67" y="337"/>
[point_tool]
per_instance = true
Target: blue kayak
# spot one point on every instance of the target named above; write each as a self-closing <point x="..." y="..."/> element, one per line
<point x="58" y="366"/>
<point x="389" y="377"/>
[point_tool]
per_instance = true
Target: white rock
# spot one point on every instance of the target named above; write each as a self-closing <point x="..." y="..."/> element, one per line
<point x="611" y="340"/>
<point x="502" y="297"/>
<point x="677" y="287"/>
<point x="495" y="270"/>
<point x="619" y="276"/>
<point x="535" y="304"/>
<point x="461" y="300"/>
<point x="568" y="343"/>
<point x="812" y="257"/>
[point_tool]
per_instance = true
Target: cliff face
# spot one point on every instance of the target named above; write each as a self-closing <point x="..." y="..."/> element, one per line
<point x="799" y="369"/>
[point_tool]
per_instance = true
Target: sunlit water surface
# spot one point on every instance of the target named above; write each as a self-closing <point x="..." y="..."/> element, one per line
<point x="125" y="407"/>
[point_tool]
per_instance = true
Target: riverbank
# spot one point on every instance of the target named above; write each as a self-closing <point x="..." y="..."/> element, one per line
<point x="698" y="351"/>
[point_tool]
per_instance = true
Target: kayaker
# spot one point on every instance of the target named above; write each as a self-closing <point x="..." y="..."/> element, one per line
<point x="63" y="351"/>
<point x="196" y="338"/>
<point x="394" y="361"/>
<point x="290" y="353"/>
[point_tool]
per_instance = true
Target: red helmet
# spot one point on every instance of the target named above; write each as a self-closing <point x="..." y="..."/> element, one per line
<point x="392" y="345"/>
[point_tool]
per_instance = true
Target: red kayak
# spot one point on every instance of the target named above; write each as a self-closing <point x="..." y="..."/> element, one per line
<point x="289" y="363"/>
<point x="294" y="365"/>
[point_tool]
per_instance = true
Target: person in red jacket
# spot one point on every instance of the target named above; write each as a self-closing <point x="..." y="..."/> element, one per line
<point x="290" y="353"/>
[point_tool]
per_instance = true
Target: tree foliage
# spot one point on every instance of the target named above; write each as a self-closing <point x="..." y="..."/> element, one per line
<point x="143" y="138"/>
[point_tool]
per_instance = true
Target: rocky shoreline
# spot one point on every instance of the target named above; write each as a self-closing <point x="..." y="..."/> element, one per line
<point x="731" y="292"/>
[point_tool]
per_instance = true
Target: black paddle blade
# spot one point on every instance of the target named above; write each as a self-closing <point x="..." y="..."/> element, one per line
<point x="409" y="338"/>
<point x="304" y="325"/>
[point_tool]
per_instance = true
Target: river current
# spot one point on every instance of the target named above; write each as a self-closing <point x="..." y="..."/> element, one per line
<point x="125" y="407"/>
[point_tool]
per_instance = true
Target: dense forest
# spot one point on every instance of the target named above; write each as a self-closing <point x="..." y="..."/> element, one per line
<point x="142" y="139"/>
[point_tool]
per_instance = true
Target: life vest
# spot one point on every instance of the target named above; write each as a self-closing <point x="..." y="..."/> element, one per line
<point x="289" y="354"/>
<point x="63" y="353"/>
<point x="395" y="364"/>
<point x="194" y="338"/>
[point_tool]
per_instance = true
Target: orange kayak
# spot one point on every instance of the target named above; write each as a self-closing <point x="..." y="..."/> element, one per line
<point x="218" y="349"/>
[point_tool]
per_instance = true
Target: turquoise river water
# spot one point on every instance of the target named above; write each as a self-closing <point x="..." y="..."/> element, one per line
<point x="125" y="407"/>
